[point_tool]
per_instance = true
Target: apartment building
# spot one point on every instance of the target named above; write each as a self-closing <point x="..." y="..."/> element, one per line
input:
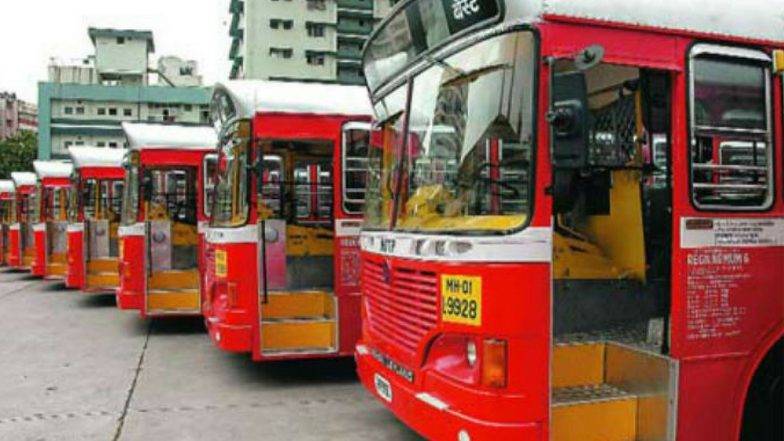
<point x="84" y="101"/>
<point x="16" y="115"/>
<point x="309" y="40"/>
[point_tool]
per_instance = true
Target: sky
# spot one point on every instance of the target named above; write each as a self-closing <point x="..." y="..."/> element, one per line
<point x="33" y="31"/>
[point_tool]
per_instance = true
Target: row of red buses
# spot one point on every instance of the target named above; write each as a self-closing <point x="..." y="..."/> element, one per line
<point x="165" y="210"/>
<point x="574" y="226"/>
<point x="51" y="219"/>
<point x="7" y="216"/>
<point x="282" y="252"/>
<point x="21" y="240"/>
<point x="94" y="219"/>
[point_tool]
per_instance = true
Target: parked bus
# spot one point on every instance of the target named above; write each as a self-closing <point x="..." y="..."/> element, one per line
<point x="21" y="242"/>
<point x="283" y="263"/>
<point x="94" y="219"/>
<point x="51" y="223"/>
<point x="523" y="276"/>
<point x="7" y="217"/>
<point x="164" y="215"/>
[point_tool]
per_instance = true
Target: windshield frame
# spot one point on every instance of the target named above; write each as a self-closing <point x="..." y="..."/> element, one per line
<point x="239" y="130"/>
<point x="427" y="60"/>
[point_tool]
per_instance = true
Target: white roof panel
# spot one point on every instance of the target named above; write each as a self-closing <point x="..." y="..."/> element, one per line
<point x="23" y="178"/>
<point x="166" y="136"/>
<point x="6" y="186"/>
<point x="53" y="169"/>
<point x="747" y="19"/>
<point x="96" y="157"/>
<point x="251" y="97"/>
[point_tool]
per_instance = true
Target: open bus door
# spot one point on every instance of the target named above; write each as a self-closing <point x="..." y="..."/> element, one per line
<point x="102" y="199"/>
<point x="6" y="217"/>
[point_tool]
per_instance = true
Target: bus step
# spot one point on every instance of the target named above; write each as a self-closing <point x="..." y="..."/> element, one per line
<point x="56" y="269"/>
<point x="610" y="392"/>
<point x="108" y="280"/>
<point x="174" y="280"/>
<point x="304" y="335"/>
<point x="304" y="304"/>
<point x="103" y="265"/>
<point x="174" y="300"/>
<point x="594" y="413"/>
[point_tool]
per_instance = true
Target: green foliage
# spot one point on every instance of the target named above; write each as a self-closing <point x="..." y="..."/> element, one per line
<point x="17" y="153"/>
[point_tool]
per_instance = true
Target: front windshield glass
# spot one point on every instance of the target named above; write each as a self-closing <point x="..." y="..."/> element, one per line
<point x="130" y="200"/>
<point x="468" y="154"/>
<point x="230" y="205"/>
<point x="7" y="214"/>
<point x="35" y="204"/>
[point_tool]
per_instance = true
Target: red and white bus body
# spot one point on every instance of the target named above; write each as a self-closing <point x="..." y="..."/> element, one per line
<point x="94" y="217"/>
<point x="54" y="183"/>
<point x="7" y="217"/>
<point x="21" y="241"/>
<point x="165" y="214"/>
<point x="305" y="304"/>
<point x="581" y="289"/>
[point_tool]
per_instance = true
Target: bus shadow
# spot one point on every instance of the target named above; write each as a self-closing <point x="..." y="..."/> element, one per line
<point x="54" y="286"/>
<point x="177" y="326"/>
<point x="96" y="300"/>
<point x="295" y="372"/>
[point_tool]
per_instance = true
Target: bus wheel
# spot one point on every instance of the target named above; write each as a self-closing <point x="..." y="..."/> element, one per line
<point x="762" y="414"/>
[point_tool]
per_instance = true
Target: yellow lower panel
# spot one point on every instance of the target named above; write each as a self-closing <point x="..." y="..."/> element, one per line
<point x="578" y="365"/>
<point x="297" y="335"/>
<point x="300" y="304"/>
<point x="55" y="269"/>
<point x="106" y="265"/>
<point x="174" y="280"/>
<point x="612" y="420"/>
<point x="174" y="301"/>
<point x="58" y="258"/>
<point x="27" y="260"/>
<point x="105" y="280"/>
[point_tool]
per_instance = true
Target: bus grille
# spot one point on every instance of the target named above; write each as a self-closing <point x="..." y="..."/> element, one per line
<point x="402" y="306"/>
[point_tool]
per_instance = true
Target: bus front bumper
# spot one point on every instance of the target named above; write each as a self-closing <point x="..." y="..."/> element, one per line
<point x="430" y="416"/>
<point x="129" y="301"/>
<point x="228" y="337"/>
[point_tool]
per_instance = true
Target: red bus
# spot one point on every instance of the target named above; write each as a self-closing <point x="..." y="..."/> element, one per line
<point x="528" y="272"/>
<point x="94" y="219"/>
<point x="7" y="216"/>
<point x="282" y="259"/>
<point x="51" y="223"/>
<point x="21" y="242"/>
<point x="164" y="216"/>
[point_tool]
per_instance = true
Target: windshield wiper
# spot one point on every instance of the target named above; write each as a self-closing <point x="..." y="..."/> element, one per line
<point x="473" y="75"/>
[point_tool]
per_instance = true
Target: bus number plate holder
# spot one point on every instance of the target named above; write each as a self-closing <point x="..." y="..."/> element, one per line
<point x="383" y="388"/>
<point x="461" y="299"/>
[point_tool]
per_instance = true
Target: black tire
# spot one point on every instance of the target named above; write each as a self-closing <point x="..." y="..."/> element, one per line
<point x="763" y="415"/>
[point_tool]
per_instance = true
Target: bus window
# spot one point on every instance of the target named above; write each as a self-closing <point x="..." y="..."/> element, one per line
<point x="356" y="141"/>
<point x="731" y="134"/>
<point x="208" y="182"/>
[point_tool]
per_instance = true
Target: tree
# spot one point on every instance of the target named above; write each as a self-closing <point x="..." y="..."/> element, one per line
<point x="17" y="153"/>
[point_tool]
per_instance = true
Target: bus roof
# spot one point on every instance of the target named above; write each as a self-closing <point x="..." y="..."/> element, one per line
<point x="7" y="186"/>
<point x="251" y="97"/>
<point x="83" y="156"/>
<point x="53" y="169"/>
<point x="23" y="178"/>
<point x="748" y="19"/>
<point x="169" y="136"/>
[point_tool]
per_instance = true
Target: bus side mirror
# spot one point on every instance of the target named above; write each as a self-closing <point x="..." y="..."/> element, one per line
<point x="569" y="121"/>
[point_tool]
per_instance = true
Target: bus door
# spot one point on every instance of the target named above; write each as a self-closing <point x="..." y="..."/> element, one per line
<point x="6" y="219"/>
<point x="297" y="302"/>
<point x="102" y="200"/>
<point x="30" y="211"/>
<point x="170" y="198"/>
<point x="612" y="248"/>
<point x="56" y="206"/>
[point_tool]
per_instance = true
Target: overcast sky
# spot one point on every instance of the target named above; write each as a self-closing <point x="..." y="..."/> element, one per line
<point x="32" y="31"/>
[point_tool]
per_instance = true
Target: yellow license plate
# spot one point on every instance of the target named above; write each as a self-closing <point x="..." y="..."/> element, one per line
<point x="461" y="299"/>
<point x="221" y="263"/>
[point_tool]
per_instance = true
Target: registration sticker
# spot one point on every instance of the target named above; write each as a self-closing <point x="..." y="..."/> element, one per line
<point x="221" y="263"/>
<point x="461" y="299"/>
<point x="383" y="388"/>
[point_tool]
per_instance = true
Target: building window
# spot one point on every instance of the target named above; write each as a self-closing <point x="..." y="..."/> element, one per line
<point x="100" y="144"/>
<point x="102" y="111"/>
<point x="277" y="23"/>
<point x="80" y="110"/>
<point x="68" y="110"/>
<point x="120" y="40"/>
<point x="315" y="29"/>
<point x="281" y="53"/>
<point x="188" y="107"/>
<point x="112" y="111"/>
<point x="112" y="145"/>
<point x="127" y="112"/>
<point x="67" y="144"/>
<point x="317" y="5"/>
<point x="79" y="143"/>
<point x="315" y="59"/>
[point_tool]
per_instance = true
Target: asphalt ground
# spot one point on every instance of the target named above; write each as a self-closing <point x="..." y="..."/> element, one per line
<point x="74" y="367"/>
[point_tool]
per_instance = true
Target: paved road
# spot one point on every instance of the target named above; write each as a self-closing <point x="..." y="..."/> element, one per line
<point x="73" y="367"/>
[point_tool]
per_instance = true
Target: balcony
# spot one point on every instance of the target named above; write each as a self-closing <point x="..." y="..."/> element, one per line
<point x="236" y="45"/>
<point x="351" y="52"/>
<point x="356" y="4"/>
<point x="237" y="7"/>
<point x="354" y="26"/>
<point x="234" y="30"/>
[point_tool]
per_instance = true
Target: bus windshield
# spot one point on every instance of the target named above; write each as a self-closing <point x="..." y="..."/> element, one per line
<point x="130" y="199"/>
<point x="467" y="153"/>
<point x="230" y="200"/>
